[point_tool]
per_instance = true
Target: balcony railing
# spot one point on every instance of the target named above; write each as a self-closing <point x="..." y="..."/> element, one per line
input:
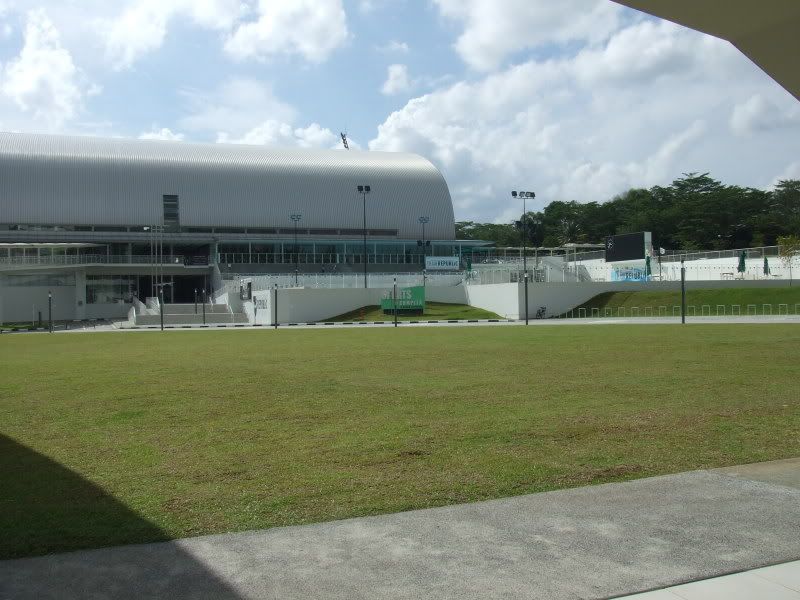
<point x="102" y="259"/>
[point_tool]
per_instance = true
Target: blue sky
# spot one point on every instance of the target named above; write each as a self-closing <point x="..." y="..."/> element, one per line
<point x="576" y="99"/>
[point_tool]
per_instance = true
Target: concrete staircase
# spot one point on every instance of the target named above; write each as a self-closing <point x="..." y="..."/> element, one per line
<point x="184" y="314"/>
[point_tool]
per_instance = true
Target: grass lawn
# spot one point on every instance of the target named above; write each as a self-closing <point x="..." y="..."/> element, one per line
<point x="433" y="311"/>
<point x="111" y="438"/>
<point x="699" y="297"/>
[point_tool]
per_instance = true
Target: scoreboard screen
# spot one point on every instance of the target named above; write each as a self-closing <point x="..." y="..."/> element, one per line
<point x="628" y="246"/>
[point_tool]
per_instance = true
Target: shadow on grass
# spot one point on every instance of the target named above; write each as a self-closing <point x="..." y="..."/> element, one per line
<point x="47" y="508"/>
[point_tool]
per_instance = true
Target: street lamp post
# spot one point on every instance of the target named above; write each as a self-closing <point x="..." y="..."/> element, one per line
<point x="50" y="311"/>
<point x="524" y="195"/>
<point x="423" y="221"/>
<point x="296" y="219"/>
<point x="364" y="190"/>
<point x="526" y="297"/>
<point x="683" y="293"/>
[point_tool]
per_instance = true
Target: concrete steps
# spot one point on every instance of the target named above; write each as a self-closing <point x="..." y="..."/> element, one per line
<point x="192" y="319"/>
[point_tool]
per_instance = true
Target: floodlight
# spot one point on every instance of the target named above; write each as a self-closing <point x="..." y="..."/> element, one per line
<point x="366" y="188"/>
<point x="360" y="188"/>
<point x="514" y="194"/>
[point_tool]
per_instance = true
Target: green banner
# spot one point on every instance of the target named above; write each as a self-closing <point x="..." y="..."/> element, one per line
<point x="412" y="298"/>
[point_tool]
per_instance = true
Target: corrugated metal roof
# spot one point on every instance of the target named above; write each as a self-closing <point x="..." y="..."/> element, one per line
<point x="72" y="180"/>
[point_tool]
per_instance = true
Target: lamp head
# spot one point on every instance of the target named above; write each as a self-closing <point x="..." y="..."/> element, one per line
<point x="360" y="188"/>
<point x="514" y="194"/>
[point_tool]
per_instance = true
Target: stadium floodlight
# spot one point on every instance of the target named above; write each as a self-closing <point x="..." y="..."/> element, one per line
<point x="296" y="217"/>
<point x="364" y="190"/>
<point x="524" y="195"/>
<point x="423" y="221"/>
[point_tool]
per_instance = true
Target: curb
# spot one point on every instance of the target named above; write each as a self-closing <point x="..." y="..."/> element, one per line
<point x="321" y="323"/>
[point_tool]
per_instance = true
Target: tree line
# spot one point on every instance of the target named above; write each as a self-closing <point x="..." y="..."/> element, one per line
<point x="695" y="212"/>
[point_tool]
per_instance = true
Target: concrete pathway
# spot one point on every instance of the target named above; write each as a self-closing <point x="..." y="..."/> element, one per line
<point x="779" y="582"/>
<point x="592" y="542"/>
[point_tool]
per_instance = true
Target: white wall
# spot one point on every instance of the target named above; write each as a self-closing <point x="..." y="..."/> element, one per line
<point x="500" y="298"/>
<point x="456" y="294"/>
<point x="20" y="304"/>
<point x="558" y="298"/>
<point x="302" y="305"/>
<point x="115" y="310"/>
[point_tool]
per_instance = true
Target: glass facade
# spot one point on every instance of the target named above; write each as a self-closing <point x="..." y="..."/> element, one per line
<point x="110" y="289"/>
<point x="39" y="280"/>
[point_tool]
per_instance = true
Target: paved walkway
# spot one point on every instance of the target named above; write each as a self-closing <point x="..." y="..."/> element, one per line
<point x="592" y="542"/>
<point x="779" y="582"/>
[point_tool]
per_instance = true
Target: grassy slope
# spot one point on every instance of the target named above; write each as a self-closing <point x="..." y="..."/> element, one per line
<point x="199" y="432"/>
<point x="433" y="311"/>
<point x="699" y="297"/>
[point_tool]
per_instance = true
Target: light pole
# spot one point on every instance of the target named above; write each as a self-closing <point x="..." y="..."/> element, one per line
<point x="50" y="310"/>
<point x="526" y="297"/>
<point x="364" y="190"/>
<point x="524" y="195"/>
<point x="296" y="219"/>
<point x="423" y="221"/>
<point x="683" y="293"/>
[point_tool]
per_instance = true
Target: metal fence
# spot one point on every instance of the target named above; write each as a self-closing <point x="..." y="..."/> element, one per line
<point x="343" y="280"/>
<point x="99" y="259"/>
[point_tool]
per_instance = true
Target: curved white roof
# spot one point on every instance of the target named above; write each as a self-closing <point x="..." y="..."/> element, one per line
<point x="70" y="180"/>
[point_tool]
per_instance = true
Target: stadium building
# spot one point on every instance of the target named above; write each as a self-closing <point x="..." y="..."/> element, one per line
<point x="95" y="221"/>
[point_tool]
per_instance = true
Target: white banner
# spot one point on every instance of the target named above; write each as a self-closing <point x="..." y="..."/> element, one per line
<point x="442" y="263"/>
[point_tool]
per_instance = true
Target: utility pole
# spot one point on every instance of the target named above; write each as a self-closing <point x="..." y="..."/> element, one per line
<point x="295" y="219"/>
<point x="364" y="190"/>
<point x="524" y="195"/>
<point x="683" y="293"/>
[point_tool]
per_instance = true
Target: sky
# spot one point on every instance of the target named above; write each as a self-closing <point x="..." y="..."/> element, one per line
<point x="574" y="100"/>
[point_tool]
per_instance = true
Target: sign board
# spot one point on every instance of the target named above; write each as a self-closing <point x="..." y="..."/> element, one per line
<point x="412" y="298"/>
<point x="442" y="263"/>
<point x="628" y="246"/>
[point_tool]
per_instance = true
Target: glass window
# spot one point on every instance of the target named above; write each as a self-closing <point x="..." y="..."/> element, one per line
<point x="109" y="289"/>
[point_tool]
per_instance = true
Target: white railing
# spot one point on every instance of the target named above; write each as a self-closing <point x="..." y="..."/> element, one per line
<point x="341" y="280"/>
<point x="100" y="259"/>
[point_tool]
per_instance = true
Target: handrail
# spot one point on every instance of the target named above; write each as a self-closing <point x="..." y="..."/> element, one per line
<point x="103" y="259"/>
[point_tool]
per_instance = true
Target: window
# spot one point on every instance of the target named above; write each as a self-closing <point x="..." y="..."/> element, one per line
<point x="39" y="280"/>
<point x="109" y="289"/>
<point x="172" y="221"/>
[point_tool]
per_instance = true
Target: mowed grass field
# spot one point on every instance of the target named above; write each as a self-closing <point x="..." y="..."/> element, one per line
<point x="113" y="438"/>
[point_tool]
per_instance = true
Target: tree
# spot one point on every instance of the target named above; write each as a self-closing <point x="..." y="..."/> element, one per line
<point x="694" y="212"/>
<point x="788" y="248"/>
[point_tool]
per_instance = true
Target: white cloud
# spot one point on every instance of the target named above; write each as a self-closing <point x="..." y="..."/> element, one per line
<point x="651" y="103"/>
<point x="394" y="46"/>
<point x="162" y="134"/>
<point x="245" y="111"/>
<point x="494" y="29"/>
<point x="759" y="114"/>
<point x="234" y="107"/>
<point x="142" y="26"/>
<point x="792" y="171"/>
<point x="275" y="133"/>
<point x="397" y="80"/>
<point x="309" y="28"/>
<point x="43" y="80"/>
